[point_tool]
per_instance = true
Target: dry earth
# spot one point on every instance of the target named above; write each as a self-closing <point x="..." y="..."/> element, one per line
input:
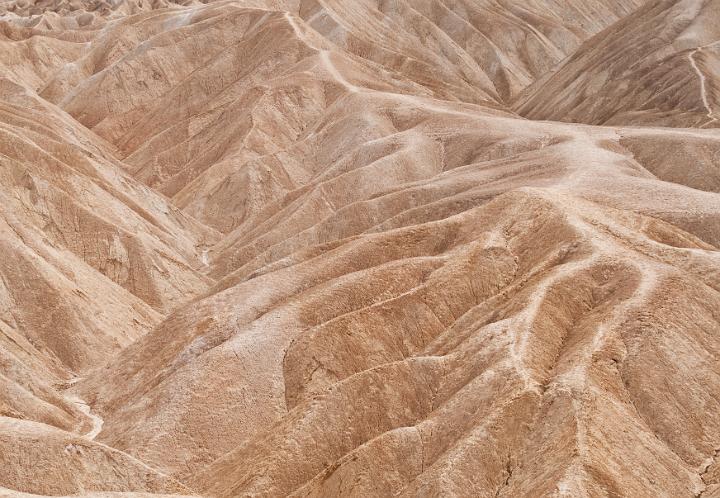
<point x="360" y="248"/>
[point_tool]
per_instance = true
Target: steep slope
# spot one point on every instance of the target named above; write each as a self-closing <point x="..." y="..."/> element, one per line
<point x="446" y="377"/>
<point x="54" y="14"/>
<point x="64" y="198"/>
<point x="8" y="493"/>
<point x="657" y="66"/>
<point x="353" y="289"/>
<point x="458" y="52"/>
<point x="456" y="47"/>
<point x="305" y="248"/>
<point x="89" y="466"/>
<point x="91" y="260"/>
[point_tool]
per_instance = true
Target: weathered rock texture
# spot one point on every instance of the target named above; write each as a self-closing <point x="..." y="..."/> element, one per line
<point x="360" y="248"/>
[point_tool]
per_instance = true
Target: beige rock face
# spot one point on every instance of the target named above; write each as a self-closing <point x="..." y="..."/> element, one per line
<point x="658" y="66"/>
<point x="359" y="248"/>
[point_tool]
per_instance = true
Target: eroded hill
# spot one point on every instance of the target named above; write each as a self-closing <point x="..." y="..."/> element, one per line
<point x="320" y="248"/>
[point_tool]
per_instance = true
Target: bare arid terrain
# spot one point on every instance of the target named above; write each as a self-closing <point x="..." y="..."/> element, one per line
<point x="360" y="248"/>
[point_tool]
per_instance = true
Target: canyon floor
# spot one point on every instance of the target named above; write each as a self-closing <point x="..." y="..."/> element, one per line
<point x="365" y="248"/>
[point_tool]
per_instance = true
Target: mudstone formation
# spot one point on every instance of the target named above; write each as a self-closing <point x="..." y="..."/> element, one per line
<point x="360" y="248"/>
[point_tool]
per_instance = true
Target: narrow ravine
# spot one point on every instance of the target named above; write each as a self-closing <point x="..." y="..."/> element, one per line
<point x="84" y="407"/>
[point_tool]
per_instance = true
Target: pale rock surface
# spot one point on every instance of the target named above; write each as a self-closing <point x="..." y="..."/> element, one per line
<point x="369" y="248"/>
<point x="658" y="66"/>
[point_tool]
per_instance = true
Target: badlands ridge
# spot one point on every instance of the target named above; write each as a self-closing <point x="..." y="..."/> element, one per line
<point x="360" y="248"/>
